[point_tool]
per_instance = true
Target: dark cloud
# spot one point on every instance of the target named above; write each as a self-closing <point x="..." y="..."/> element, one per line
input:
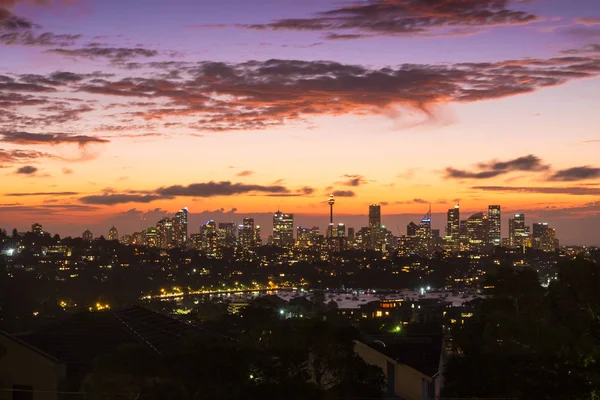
<point x="25" y="87"/>
<point x="28" y="138"/>
<point x="207" y="189"/>
<point x="590" y="48"/>
<point x="404" y="17"/>
<point x="307" y="190"/>
<point x="18" y="156"/>
<point x="343" y="193"/>
<point x="591" y="33"/>
<point x="573" y="190"/>
<point x="420" y="201"/>
<point x="27" y="170"/>
<point x="67" y="171"/>
<point x="115" y="54"/>
<point x="29" y="38"/>
<point x="354" y="180"/>
<point x="245" y="173"/>
<point x="496" y="168"/>
<point x="41" y="194"/>
<point x="10" y="22"/>
<point x="110" y="199"/>
<point x="576" y="174"/>
<point x="224" y="188"/>
<point x="261" y="94"/>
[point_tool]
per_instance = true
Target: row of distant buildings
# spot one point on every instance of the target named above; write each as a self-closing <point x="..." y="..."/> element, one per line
<point x="475" y="233"/>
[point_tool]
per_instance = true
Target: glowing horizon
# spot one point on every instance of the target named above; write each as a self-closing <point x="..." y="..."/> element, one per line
<point x="108" y="107"/>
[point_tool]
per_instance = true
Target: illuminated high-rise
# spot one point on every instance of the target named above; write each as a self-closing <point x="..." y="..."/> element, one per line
<point x="37" y="229"/>
<point x="544" y="237"/>
<point x="113" y="234"/>
<point x="283" y="229"/>
<point x="208" y="237"/>
<point x="87" y="235"/>
<point x="180" y="228"/>
<point x="375" y="238"/>
<point x="375" y="216"/>
<point x="518" y="232"/>
<point x="226" y="234"/>
<point x="453" y="227"/>
<point x="164" y="229"/>
<point x="423" y="233"/>
<point x="476" y="226"/>
<point x="247" y="234"/>
<point x="151" y="237"/>
<point x="494" y="225"/>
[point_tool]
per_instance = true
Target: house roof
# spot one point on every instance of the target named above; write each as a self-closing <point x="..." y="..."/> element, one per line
<point x="421" y="352"/>
<point x="28" y="346"/>
<point x="83" y="336"/>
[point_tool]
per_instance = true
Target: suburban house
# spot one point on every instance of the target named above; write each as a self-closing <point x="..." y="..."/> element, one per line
<point x="52" y="362"/>
<point x="413" y="365"/>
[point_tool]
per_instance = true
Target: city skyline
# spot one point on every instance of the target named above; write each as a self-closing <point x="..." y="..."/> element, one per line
<point x="111" y="112"/>
<point x="477" y="228"/>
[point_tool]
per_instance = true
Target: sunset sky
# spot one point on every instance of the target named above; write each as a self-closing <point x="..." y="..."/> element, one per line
<point x="119" y="112"/>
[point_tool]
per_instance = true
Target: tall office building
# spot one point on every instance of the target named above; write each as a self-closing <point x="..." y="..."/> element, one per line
<point x="257" y="236"/>
<point x="180" y="228"/>
<point x="453" y="227"/>
<point x="227" y="234"/>
<point x="208" y="237"/>
<point x="283" y="229"/>
<point x="164" y="229"/>
<point x="494" y="225"/>
<point x="247" y="234"/>
<point x="37" y="229"/>
<point x="375" y="216"/>
<point x="476" y="226"/>
<point x="544" y="237"/>
<point x="424" y="230"/>
<point x="518" y="232"/>
<point x="375" y="238"/>
<point x="113" y="234"/>
<point x="411" y="229"/>
<point x="350" y="233"/>
<point x="151" y="237"/>
<point x="87" y="235"/>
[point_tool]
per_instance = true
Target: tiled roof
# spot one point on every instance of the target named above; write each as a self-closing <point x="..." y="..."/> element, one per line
<point x="421" y="352"/>
<point x="84" y="336"/>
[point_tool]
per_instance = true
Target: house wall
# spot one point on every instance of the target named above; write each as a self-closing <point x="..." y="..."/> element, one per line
<point x="408" y="382"/>
<point x="20" y="365"/>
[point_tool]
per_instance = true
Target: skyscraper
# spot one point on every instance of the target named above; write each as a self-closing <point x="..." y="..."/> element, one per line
<point x="164" y="229"/>
<point x="495" y="225"/>
<point x="113" y="234"/>
<point x="453" y="227"/>
<point x="246" y="233"/>
<point x="375" y="238"/>
<point x="283" y="229"/>
<point x="476" y="226"/>
<point x="180" y="228"/>
<point x="424" y="232"/>
<point x="208" y="237"/>
<point x="544" y="237"/>
<point x="411" y="229"/>
<point x="37" y="229"/>
<point x="87" y="235"/>
<point x="518" y="232"/>
<point x="375" y="216"/>
<point x="227" y="234"/>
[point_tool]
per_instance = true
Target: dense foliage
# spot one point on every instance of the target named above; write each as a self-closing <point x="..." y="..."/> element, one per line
<point x="528" y="342"/>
